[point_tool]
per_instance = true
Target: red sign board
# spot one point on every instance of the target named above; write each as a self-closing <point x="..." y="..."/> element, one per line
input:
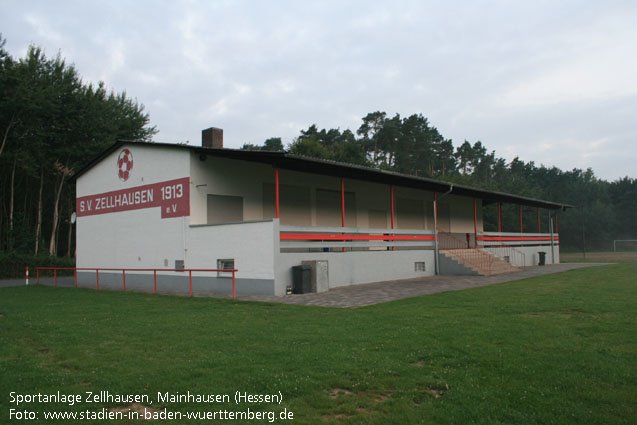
<point x="173" y="197"/>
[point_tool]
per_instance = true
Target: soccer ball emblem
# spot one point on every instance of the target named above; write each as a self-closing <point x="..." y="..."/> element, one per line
<point x="124" y="164"/>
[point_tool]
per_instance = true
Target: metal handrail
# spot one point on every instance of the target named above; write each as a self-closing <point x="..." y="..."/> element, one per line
<point x="475" y="257"/>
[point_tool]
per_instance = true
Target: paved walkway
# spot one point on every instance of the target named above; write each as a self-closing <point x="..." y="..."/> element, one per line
<point x="380" y="292"/>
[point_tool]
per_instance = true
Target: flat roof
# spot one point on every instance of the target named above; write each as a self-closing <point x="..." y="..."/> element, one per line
<point x="293" y="162"/>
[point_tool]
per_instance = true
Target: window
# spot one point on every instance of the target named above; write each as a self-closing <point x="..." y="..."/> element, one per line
<point x="179" y="265"/>
<point x="419" y="266"/>
<point x="226" y="264"/>
<point x="224" y="209"/>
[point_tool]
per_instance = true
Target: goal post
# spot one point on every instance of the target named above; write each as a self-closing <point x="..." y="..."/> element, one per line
<point x="629" y="242"/>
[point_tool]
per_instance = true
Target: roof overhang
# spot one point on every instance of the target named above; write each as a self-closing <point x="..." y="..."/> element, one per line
<point x="292" y="162"/>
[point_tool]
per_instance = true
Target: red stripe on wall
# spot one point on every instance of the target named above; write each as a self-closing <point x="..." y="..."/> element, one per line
<point x="352" y="237"/>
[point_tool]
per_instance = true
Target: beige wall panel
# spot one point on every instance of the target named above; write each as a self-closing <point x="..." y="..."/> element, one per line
<point x="461" y="210"/>
<point x="377" y="219"/>
<point x="444" y="216"/>
<point x="410" y="213"/>
<point x="364" y="204"/>
<point x="329" y="210"/>
<point x="295" y="204"/>
<point x="220" y="176"/>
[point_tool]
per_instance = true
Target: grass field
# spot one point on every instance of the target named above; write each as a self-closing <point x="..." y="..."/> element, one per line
<point x="558" y="349"/>
<point x="599" y="257"/>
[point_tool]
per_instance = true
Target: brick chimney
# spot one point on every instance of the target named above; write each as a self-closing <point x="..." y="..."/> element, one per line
<point x="212" y="138"/>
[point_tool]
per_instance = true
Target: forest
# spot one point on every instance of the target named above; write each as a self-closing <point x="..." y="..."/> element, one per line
<point x="52" y="123"/>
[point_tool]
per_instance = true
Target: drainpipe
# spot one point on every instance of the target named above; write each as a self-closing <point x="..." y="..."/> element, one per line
<point x="552" y="245"/>
<point x="437" y="253"/>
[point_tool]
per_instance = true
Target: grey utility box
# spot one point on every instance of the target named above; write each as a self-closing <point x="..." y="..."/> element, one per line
<point x="319" y="276"/>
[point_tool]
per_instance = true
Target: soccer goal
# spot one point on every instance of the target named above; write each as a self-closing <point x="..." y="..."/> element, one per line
<point x="625" y="244"/>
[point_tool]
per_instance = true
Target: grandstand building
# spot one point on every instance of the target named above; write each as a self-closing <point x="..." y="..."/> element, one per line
<point x="153" y="206"/>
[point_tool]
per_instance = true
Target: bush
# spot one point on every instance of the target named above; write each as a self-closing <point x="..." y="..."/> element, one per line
<point x="13" y="265"/>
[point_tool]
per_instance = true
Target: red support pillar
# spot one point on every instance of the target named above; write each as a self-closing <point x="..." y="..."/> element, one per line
<point x="276" y="190"/>
<point x="521" y="228"/>
<point x="539" y="227"/>
<point x="190" y="281"/>
<point x="391" y="204"/>
<point x="97" y="279"/>
<point x="124" y="279"/>
<point x="154" y="281"/>
<point x="499" y="217"/>
<point x="557" y="229"/>
<point x="234" y="285"/>
<point x="55" y="277"/>
<point x="75" y="276"/>
<point x="475" y="223"/>
<point x="343" y="204"/>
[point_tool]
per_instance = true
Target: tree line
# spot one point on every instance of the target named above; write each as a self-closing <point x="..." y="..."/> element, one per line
<point x="603" y="210"/>
<point x="52" y="124"/>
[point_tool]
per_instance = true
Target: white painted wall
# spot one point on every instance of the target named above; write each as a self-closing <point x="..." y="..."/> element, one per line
<point x="355" y="267"/>
<point x="132" y="239"/>
<point x="531" y="256"/>
<point x="251" y="245"/>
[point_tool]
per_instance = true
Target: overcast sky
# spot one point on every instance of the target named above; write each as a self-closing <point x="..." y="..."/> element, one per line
<point x="553" y="82"/>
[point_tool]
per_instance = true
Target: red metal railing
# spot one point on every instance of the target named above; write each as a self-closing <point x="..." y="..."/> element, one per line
<point x="97" y="275"/>
<point x="514" y="256"/>
<point x="518" y="240"/>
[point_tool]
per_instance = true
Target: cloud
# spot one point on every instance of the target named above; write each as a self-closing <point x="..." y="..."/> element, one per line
<point x="549" y="82"/>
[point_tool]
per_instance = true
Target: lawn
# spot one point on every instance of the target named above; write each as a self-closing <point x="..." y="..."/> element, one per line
<point x="557" y="349"/>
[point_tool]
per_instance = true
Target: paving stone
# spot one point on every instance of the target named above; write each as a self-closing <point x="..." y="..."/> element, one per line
<point x="380" y="292"/>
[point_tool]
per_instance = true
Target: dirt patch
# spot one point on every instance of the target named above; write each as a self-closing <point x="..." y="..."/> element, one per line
<point x="135" y="407"/>
<point x="1" y="315"/>
<point x="381" y="398"/>
<point x="338" y="392"/>
<point x="437" y="392"/>
<point x="331" y="418"/>
<point x="418" y="364"/>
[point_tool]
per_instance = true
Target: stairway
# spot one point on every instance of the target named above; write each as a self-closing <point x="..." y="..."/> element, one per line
<point x="473" y="262"/>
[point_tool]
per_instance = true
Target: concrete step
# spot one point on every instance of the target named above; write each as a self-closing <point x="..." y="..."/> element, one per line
<point x="478" y="261"/>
